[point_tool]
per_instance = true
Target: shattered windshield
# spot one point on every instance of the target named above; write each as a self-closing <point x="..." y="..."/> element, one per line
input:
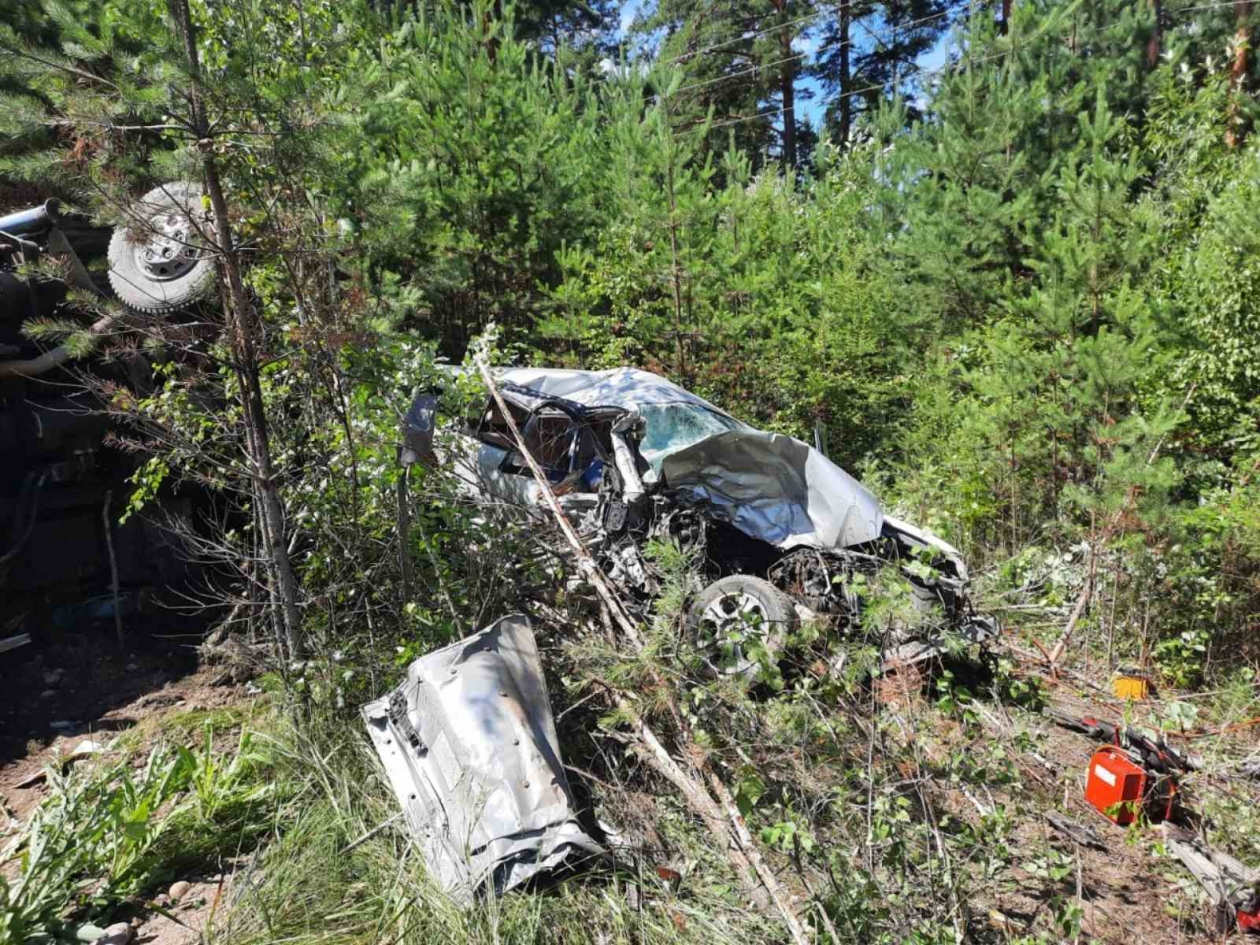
<point x="672" y="427"/>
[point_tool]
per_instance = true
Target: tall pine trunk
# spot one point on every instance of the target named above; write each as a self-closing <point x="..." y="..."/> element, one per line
<point x="242" y="326"/>
<point x="1238" y="71"/>
<point x="787" y="82"/>
<point x="844" y="78"/>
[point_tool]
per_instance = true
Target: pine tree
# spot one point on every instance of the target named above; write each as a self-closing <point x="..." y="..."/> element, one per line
<point x="870" y="49"/>
<point x="632" y="293"/>
<point x="1018" y="218"/>
<point x="134" y="117"/>
<point x="740" y="69"/>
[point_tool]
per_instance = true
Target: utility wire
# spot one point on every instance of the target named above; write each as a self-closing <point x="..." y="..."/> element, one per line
<point x="778" y="62"/>
<point x="966" y="61"/>
<point x="851" y="92"/>
<point x="745" y="37"/>
<point x="857" y="21"/>
<point x="870" y="88"/>
<point x="1205" y="6"/>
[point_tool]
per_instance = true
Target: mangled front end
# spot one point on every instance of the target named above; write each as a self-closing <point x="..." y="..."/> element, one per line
<point x="776" y="489"/>
<point x="469" y="745"/>
<point x="824" y="525"/>
<point x="633" y="458"/>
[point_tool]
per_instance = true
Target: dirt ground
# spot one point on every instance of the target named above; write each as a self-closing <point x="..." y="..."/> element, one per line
<point x="1122" y="888"/>
<point x="78" y="678"/>
<point x="1129" y="891"/>
<point x="81" y="688"/>
<point x="185" y="919"/>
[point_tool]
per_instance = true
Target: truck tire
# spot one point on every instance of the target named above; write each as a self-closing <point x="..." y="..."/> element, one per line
<point x="160" y="263"/>
<point x="730" y="614"/>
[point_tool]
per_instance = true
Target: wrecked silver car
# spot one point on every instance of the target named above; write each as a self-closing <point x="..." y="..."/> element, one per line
<point x="469" y="745"/>
<point x="632" y="457"/>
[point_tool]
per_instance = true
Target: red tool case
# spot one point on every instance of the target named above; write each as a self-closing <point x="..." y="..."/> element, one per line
<point x="1116" y="786"/>
<point x="1249" y="914"/>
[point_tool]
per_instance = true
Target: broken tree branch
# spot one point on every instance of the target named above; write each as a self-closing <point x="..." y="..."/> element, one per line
<point x="1226" y="881"/>
<point x="1077" y="833"/>
<point x="1078" y="609"/>
<point x="755" y="859"/>
<point x="365" y="837"/>
<point x="586" y="564"/>
<point x="653" y="752"/>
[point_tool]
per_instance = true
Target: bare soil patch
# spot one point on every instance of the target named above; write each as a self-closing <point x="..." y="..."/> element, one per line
<point x="82" y="688"/>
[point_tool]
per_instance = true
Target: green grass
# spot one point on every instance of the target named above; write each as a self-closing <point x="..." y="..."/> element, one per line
<point x="278" y="804"/>
<point x="305" y="887"/>
<point x="869" y="813"/>
<point x="185" y="726"/>
<point x="115" y="828"/>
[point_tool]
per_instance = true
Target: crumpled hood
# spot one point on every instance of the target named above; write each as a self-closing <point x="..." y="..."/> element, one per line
<point x="775" y="488"/>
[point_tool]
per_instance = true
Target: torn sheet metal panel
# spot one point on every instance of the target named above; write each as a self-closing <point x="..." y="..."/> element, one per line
<point x="775" y="488"/>
<point x="469" y="744"/>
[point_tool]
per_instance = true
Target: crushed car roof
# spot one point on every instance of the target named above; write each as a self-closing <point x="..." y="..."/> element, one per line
<point x="620" y="387"/>
<point x="770" y="486"/>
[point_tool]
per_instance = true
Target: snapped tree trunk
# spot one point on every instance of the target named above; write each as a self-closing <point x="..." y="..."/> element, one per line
<point x="721" y="816"/>
<point x="242" y="327"/>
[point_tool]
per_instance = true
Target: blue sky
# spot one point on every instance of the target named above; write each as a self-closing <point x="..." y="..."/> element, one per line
<point x="810" y="107"/>
<point x="812" y="110"/>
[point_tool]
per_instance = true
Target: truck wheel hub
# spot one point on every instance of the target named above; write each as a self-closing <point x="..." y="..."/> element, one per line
<point x="169" y="253"/>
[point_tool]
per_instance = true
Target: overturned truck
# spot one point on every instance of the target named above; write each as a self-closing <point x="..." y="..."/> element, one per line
<point x="780" y="529"/>
<point x="65" y="560"/>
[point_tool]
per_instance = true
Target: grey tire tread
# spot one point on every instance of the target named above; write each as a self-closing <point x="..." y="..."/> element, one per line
<point x="135" y="289"/>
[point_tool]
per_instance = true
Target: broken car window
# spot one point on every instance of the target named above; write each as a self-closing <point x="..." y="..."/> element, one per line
<point x="672" y="427"/>
<point x="491" y="428"/>
<point x="549" y="438"/>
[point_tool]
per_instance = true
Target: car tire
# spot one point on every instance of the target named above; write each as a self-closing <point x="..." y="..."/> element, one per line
<point x="727" y="611"/>
<point x="157" y="265"/>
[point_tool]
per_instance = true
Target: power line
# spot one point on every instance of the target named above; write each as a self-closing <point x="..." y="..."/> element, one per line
<point x="1205" y="6"/>
<point x="839" y="44"/>
<point x="870" y="88"/>
<point x="745" y="37"/>
<point x="857" y="21"/>
<point x="945" y="67"/>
